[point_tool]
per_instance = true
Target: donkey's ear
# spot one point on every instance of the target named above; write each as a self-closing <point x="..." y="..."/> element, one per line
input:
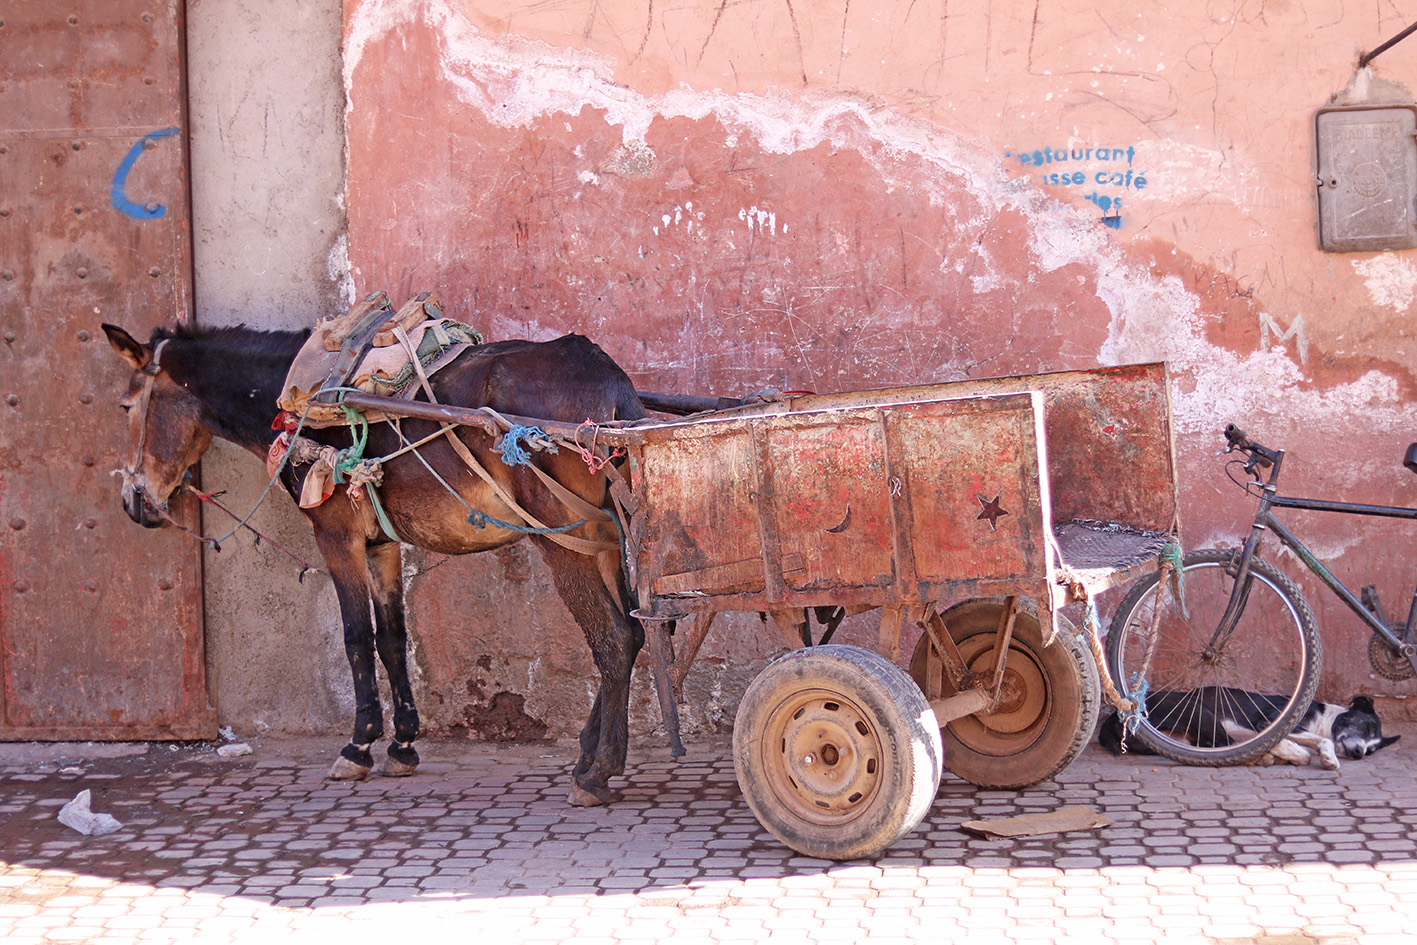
<point x="127" y="347"/>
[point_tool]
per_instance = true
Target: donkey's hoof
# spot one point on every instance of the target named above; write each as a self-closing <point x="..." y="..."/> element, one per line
<point x="402" y="761"/>
<point x="345" y="770"/>
<point x="583" y="797"/>
<point x="393" y="768"/>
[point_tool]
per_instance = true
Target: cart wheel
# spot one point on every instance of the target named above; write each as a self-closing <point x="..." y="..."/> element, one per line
<point x="1050" y="697"/>
<point x="835" y="751"/>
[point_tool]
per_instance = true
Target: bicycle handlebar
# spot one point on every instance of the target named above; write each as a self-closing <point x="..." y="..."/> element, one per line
<point x="1237" y="439"/>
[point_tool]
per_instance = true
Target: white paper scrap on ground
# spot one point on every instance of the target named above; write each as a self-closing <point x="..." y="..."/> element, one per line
<point x="234" y="750"/>
<point x="1035" y="825"/>
<point x="77" y="815"/>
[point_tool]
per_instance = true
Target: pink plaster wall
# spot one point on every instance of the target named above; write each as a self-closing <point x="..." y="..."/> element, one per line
<point x="831" y="196"/>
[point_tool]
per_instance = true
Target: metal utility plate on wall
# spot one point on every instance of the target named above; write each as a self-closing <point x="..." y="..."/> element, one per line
<point x="1367" y="167"/>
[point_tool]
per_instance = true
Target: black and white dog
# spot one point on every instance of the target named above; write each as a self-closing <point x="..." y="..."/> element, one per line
<point x="1215" y="716"/>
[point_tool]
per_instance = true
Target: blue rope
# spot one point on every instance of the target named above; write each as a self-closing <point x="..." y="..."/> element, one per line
<point x="513" y="453"/>
<point x="1172" y="555"/>
<point x="1132" y="720"/>
<point x="1090" y="620"/>
<point x="481" y="519"/>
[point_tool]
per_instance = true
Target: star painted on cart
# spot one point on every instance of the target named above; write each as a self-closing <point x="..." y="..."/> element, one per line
<point x="991" y="510"/>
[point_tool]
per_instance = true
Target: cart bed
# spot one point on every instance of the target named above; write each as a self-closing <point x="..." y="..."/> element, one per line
<point x="1037" y="485"/>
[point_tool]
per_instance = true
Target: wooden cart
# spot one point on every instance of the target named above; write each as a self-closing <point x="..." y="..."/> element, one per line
<point x="974" y="511"/>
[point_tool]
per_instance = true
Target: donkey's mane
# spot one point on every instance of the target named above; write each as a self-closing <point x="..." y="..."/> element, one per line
<point x="236" y="371"/>
<point x="229" y="350"/>
<point x="238" y="340"/>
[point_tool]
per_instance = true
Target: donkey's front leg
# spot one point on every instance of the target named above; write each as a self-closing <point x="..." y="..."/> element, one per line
<point x="391" y="639"/>
<point x="347" y="568"/>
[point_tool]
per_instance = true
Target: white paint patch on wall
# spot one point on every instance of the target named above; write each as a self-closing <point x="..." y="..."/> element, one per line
<point x="514" y="82"/>
<point x="337" y="266"/>
<point x="681" y="216"/>
<point x="1391" y="280"/>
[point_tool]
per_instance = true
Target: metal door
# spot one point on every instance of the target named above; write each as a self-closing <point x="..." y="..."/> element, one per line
<point x="100" y="623"/>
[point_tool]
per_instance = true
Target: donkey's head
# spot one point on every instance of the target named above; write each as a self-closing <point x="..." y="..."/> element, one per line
<point x="166" y="432"/>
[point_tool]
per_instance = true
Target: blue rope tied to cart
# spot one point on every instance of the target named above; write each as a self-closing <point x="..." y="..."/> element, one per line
<point x="1131" y="721"/>
<point x="1171" y="557"/>
<point x="481" y="519"/>
<point x="1090" y="622"/>
<point x="514" y="454"/>
<point x="1131" y="717"/>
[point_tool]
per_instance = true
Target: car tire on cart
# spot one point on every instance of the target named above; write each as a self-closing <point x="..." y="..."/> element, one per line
<point x="1049" y="704"/>
<point x="836" y="751"/>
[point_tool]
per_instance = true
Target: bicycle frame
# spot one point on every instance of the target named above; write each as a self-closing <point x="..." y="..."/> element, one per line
<point x="1265" y="521"/>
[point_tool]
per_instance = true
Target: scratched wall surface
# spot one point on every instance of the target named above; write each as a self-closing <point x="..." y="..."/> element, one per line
<point x="832" y="196"/>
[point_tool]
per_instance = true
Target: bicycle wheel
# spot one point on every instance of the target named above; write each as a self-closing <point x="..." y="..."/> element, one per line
<point x="1208" y="700"/>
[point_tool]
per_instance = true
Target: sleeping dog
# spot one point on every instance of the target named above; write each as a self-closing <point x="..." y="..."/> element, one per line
<point x="1215" y="716"/>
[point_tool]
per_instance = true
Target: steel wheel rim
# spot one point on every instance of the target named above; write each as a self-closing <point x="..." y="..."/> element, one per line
<point x="1025" y="700"/>
<point x="824" y="757"/>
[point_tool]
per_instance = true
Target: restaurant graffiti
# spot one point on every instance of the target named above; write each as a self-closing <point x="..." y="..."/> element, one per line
<point x="1100" y="175"/>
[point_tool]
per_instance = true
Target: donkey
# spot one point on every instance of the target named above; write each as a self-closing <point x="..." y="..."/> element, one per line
<point x="192" y="384"/>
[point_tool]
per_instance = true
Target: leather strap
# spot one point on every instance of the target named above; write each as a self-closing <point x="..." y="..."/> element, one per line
<point x="589" y="512"/>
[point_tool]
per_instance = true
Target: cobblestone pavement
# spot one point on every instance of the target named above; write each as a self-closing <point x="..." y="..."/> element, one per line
<point x="262" y="849"/>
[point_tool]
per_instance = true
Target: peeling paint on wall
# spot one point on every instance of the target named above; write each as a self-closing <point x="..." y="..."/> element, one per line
<point x="1391" y="280"/>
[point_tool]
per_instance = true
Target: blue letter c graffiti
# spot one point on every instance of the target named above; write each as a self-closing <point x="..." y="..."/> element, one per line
<point x="120" y="178"/>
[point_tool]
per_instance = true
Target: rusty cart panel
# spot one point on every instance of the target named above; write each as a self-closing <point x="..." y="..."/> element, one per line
<point x="857" y="506"/>
<point x="1003" y="486"/>
<point x="1108" y="434"/>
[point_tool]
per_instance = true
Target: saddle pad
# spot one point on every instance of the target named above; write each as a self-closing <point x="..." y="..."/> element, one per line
<point x="325" y="362"/>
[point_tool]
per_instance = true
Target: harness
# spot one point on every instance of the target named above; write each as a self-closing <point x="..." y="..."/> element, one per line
<point x="341" y="351"/>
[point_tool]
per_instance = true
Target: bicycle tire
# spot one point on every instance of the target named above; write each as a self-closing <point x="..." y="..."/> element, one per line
<point x="1274" y="651"/>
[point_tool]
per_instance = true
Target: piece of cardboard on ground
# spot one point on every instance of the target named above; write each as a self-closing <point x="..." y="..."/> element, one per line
<point x="1063" y="820"/>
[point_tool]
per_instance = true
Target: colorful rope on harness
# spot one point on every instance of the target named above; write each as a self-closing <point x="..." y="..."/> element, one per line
<point x="481" y="519"/>
<point x="363" y="475"/>
<point x="514" y="454"/>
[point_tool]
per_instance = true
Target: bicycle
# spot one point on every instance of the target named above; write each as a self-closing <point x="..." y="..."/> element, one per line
<point x="1227" y="627"/>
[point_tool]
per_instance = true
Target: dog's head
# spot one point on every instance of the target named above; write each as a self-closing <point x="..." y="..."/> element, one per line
<point x="1357" y="731"/>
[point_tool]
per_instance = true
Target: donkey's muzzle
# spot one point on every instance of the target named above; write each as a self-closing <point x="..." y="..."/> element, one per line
<point x="142" y="509"/>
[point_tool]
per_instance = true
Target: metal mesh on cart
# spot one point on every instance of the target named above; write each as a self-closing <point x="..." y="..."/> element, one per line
<point x="1098" y="553"/>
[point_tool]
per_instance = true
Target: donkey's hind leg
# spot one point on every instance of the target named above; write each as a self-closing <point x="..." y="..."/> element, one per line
<point x="391" y="640"/>
<point x="589" y="740"/>
<point x="615" y="641"/>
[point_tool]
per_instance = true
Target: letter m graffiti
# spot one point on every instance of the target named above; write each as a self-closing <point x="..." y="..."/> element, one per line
<point x="1272" y="334"/>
